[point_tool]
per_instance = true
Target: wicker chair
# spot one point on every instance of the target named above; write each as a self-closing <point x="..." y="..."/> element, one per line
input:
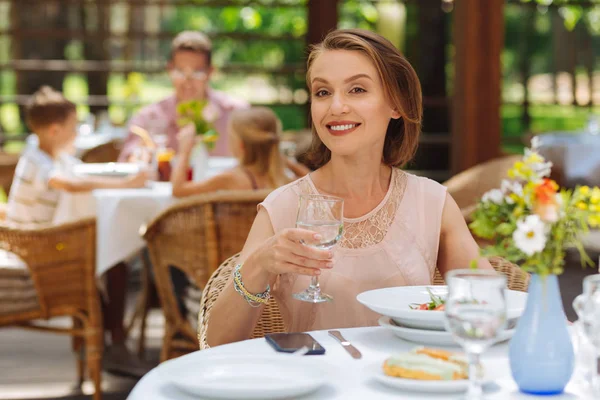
<point x="516" y="278"/>
<point x="8" y="164"/>
<point x="270" y="320"/>
<point x="195" y="236"/>
<point x="104" y="153"/>
<point x="61" y="262"/>
<point x="468" y="186"/>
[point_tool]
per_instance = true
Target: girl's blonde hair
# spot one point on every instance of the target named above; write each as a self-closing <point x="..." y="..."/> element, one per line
<point x="259" y="129"/>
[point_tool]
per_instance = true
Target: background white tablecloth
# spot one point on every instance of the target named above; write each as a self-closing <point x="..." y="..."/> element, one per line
<point x="87" y="142"/>
<point x="121" y="212"/>
<point x="352" y="379"/>
<point x="577" y="155"/>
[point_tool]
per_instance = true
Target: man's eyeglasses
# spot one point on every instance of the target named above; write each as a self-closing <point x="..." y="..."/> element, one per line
<point x="195" y="75"/>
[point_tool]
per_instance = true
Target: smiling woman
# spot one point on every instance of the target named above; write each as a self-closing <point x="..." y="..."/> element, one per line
<point x="398" y="228"/>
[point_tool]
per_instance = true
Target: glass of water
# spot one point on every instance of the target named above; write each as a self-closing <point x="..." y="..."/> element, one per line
<point x="475" y="314"/>
<point x="323" y="215"/>
<point x="587" y="306"/>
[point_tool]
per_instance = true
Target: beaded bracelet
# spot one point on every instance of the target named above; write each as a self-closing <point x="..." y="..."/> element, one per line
<point x="255" y="300"/>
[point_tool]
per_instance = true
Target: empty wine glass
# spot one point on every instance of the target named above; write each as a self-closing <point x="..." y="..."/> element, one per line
<point x="475" y="314"/>
<point x="588" y="310"/>
<point x="325" y="216"/>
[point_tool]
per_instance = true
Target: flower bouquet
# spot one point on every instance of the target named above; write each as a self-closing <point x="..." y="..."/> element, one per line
<point x="203" y="115"/>
<point x="531" y="222"/>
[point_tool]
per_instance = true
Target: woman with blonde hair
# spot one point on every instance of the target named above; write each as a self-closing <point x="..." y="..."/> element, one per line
<point x="254" y="141"/>
<point x="398" y="228"/>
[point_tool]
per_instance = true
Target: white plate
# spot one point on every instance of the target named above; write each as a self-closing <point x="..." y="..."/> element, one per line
<point x="415" y="385"/>
<point x="106" y="169"/>
<point x="395" y="302"/>
<point x="245" y="377"/>
<point x="434" y="337"/>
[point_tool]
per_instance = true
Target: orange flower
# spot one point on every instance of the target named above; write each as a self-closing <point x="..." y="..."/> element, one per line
<point x="545" y="192"/>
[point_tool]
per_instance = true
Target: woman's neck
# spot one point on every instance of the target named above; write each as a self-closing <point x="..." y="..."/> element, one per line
<point x="353" y="178"/>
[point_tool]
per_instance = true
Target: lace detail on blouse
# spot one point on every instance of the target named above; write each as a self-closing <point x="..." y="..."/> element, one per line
<point x="370" y="229"/>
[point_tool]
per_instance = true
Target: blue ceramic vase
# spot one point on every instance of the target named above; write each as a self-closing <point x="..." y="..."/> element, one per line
<point x="541" y="352"/>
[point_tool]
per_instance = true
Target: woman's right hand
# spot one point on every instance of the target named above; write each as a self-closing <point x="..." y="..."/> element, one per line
<point x="290" y="251"/>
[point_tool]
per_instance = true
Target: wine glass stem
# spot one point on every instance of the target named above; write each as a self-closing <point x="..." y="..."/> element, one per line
<point x="314" y="285"/>
<point x="475" y="390"/>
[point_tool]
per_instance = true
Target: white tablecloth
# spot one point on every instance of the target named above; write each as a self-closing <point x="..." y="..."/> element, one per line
<point x="577" y="155"/>
<point x="350" y="378"/>
<point x="84" y="143"/>
<point x="121" y="212"/>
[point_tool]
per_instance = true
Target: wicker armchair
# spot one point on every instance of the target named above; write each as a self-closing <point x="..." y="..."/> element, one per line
<point x="8" y="164"/>
<point x="107" y="152"/>
<point x="270" y="320"/>
<point x="195" y="236"/>
<point x="61" y="263"/>
<point x="467" y="187"/>
<point x="516" y="278"/>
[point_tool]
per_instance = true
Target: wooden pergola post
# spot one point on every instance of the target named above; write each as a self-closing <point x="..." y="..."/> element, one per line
<point x="476" y="123"/>
<point x="322" y="18"/>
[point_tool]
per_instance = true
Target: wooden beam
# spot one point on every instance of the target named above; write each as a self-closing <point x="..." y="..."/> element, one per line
<point x="322" y="18"/>
<point x="476" y="123"/>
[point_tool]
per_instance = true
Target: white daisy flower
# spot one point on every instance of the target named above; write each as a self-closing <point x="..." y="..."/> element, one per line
<point x="509" y="187"/>
<point x="493" y="196"/>
<point x="530" y="235"/>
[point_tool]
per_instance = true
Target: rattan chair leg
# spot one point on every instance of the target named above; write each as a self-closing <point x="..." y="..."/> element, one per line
<point x="165" y="351"/>
<point x="94" y="363"/>
<point x="144" y="304"/>
<point x="78" y="349"/>
<point x="95" y="367"/>
<point x="80" y="354"/>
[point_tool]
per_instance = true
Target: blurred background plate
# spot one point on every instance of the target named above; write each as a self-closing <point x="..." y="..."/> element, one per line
<point x="106" y="169"/>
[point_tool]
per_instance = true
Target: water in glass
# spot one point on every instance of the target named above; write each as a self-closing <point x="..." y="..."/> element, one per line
<point x="325" y="216"/>
<point x="475" y="315"/>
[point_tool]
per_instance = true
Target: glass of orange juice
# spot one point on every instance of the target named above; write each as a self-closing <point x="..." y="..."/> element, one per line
<point x="163" y="158"/>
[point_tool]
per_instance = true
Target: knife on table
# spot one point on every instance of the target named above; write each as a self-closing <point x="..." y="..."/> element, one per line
<point x="346" y="344"/>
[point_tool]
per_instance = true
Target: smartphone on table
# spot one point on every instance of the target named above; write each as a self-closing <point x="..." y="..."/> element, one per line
<point x="290" y="342"/>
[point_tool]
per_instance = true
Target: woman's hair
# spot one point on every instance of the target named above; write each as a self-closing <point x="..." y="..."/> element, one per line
<point x="401" y="87"/>
<point x="46" y="107"/>
<point x="259" y="129"/>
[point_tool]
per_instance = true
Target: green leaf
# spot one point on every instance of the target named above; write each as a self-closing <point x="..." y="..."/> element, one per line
<point x="473" y="264"/>
<point x="571" y="15"/>
<point x="505" y="229"/>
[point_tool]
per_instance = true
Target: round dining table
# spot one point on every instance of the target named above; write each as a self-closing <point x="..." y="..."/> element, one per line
<point x="122" y="213"/>
<point x="349" y="378"/>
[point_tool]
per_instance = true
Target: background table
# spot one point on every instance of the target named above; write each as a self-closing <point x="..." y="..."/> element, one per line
<point x="575" y="157"/>
<point x="350" y="378"/>
<point x="121" y="212"/>
<point x="85" y="142"/>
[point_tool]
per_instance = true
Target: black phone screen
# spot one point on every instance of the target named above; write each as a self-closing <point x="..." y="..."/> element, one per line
<point x="290" y="342"/>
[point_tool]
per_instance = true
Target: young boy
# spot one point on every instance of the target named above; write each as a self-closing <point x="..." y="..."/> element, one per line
<point x="42" y="179"/>
<point x="44" y="171"/>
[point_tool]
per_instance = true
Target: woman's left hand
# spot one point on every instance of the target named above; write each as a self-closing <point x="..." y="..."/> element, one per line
<point x="187" y="137"/>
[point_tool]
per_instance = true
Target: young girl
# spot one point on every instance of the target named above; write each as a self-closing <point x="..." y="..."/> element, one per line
<point x="254" y="141"/>
<point x="398" y="228"/>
